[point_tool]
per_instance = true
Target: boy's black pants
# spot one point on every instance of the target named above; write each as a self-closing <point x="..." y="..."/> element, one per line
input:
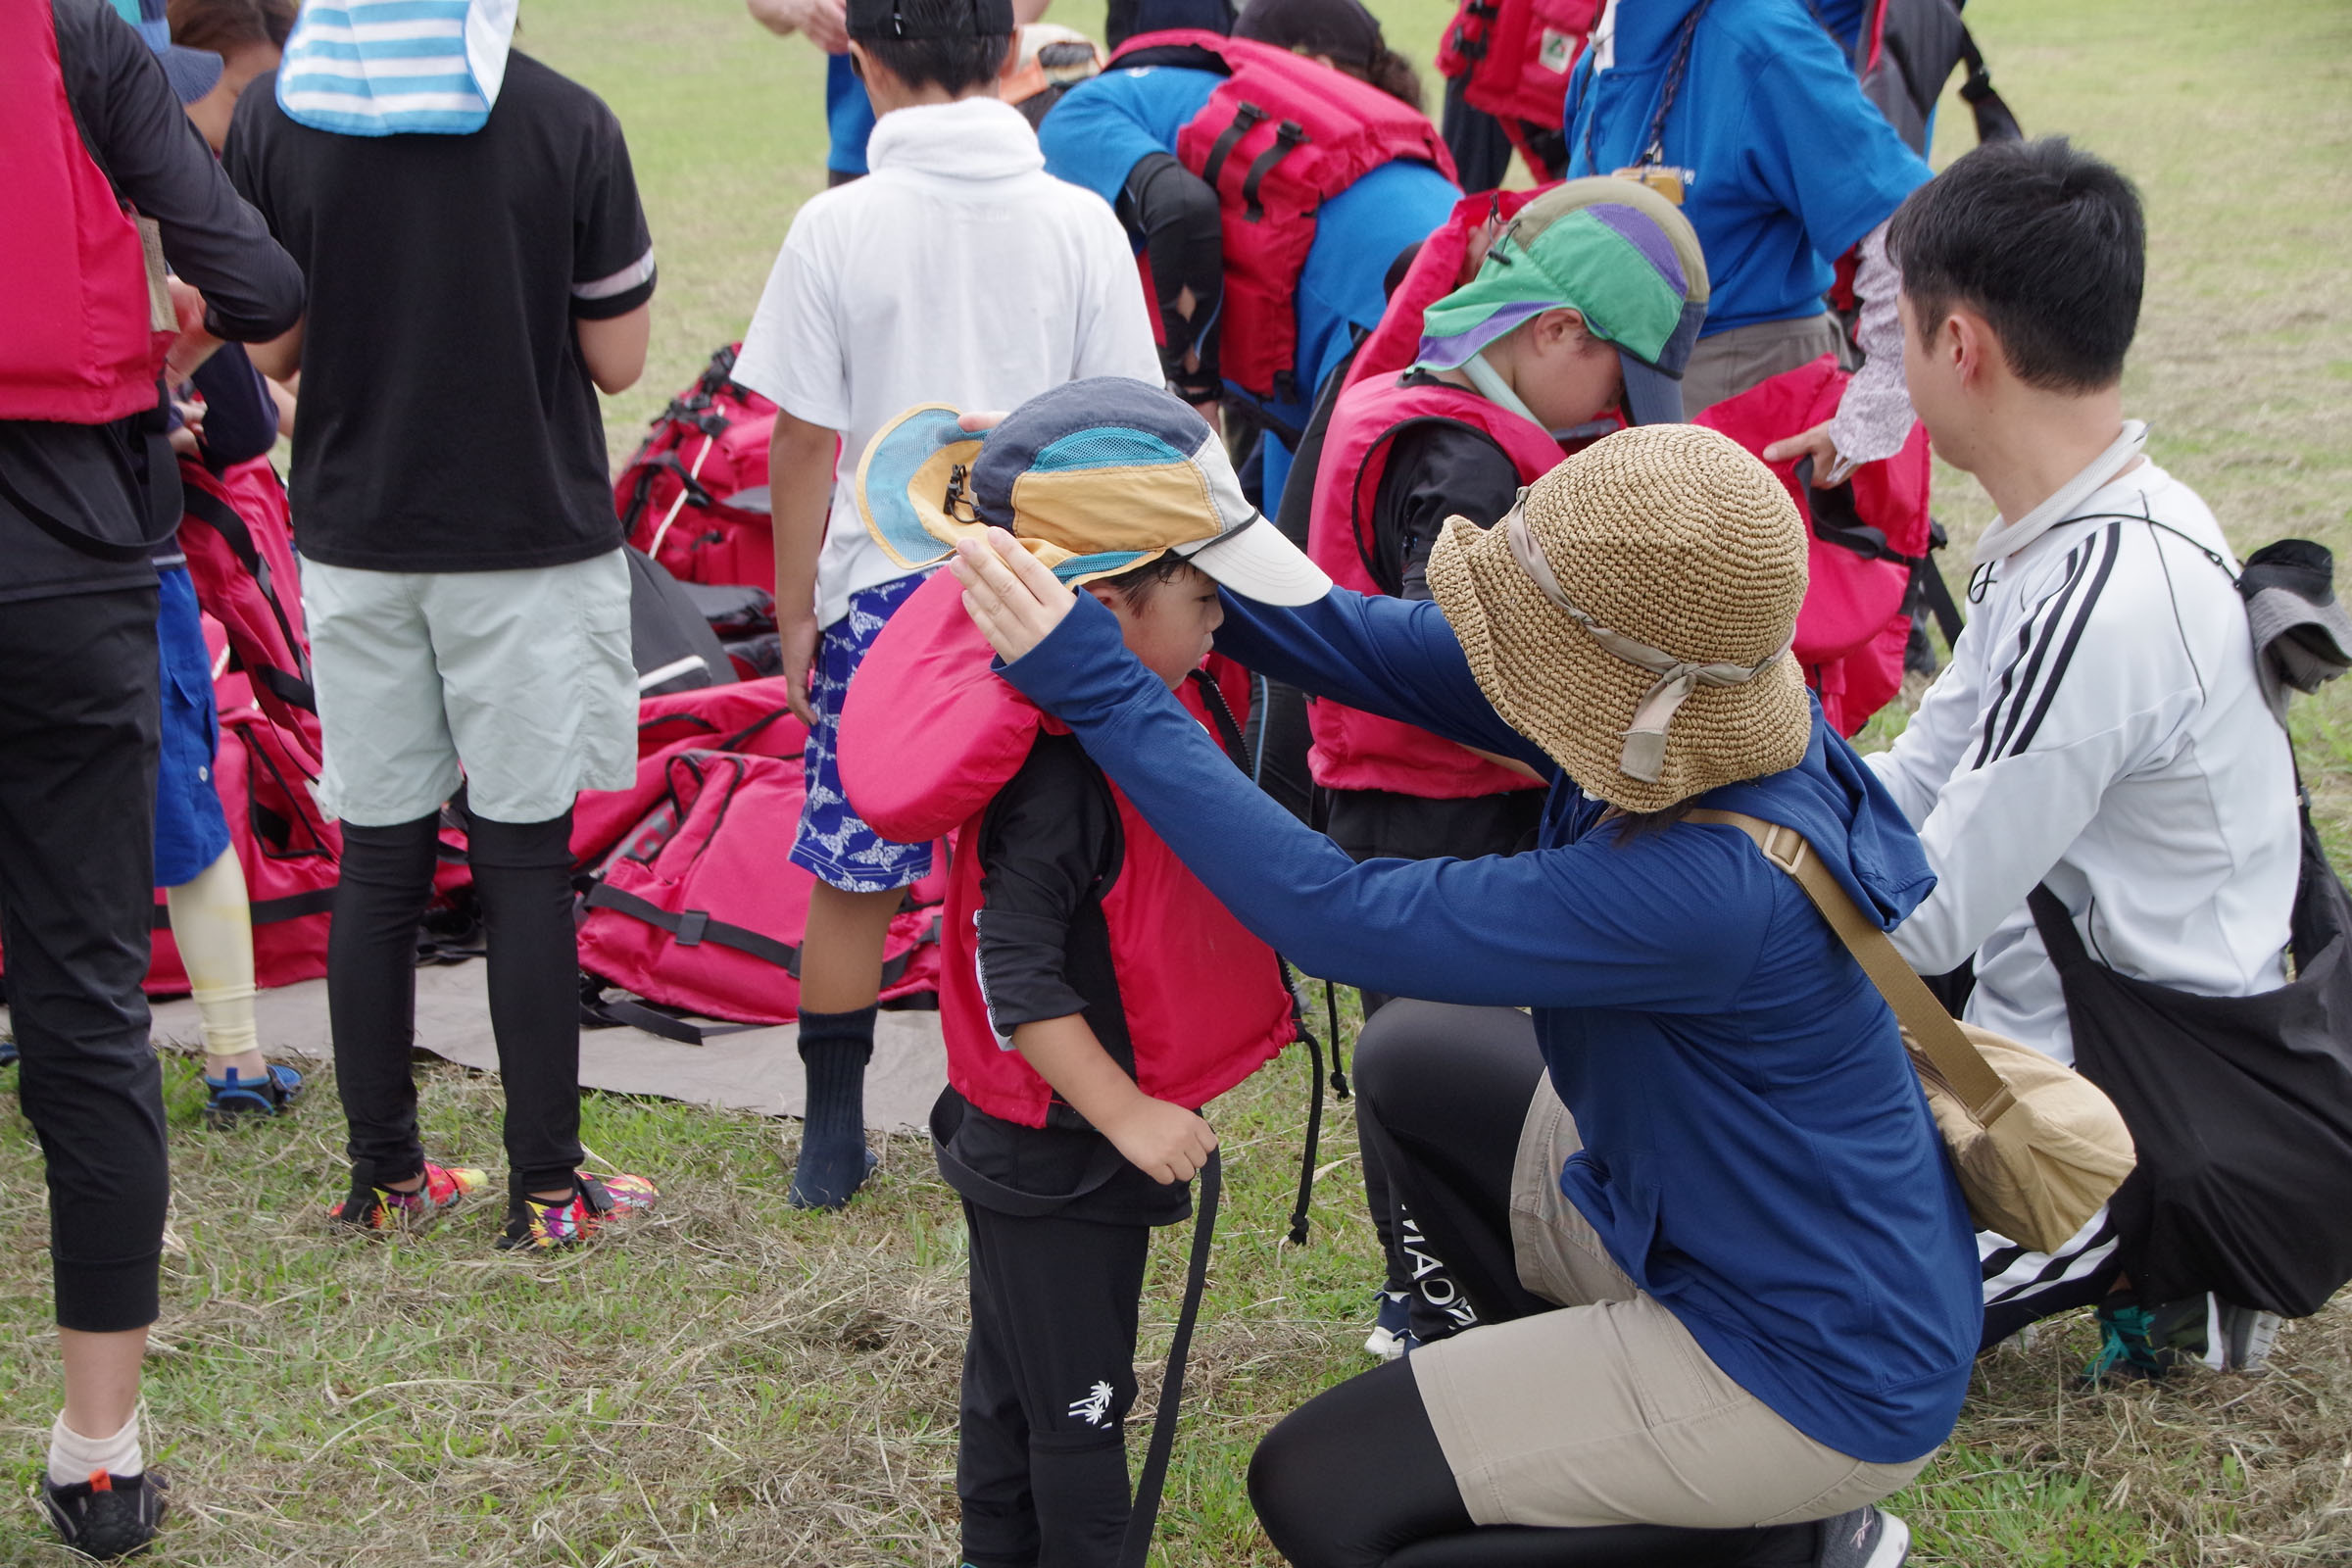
<point x="79" y="723"/>
<point x="1049" y="1375"/>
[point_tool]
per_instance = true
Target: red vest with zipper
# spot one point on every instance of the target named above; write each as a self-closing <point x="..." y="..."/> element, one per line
<point x="1355" y="750"/>
<point x="1281" y="135"/>
<point x="929" y="735"/>
<point x="80" y="346"/>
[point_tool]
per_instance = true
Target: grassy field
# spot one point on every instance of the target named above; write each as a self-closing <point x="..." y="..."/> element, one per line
<point x="734" y="1383"/>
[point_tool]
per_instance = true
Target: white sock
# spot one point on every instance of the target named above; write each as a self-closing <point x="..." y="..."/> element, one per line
<point x="72" y="1456"/>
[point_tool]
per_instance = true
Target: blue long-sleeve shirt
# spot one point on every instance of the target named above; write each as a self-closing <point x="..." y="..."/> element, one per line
<point x="1790" y="162"/>
<point x="1759" y="1154"/>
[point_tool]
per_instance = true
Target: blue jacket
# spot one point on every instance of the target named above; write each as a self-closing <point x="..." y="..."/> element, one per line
<point x="1104" y="126"/>
<point x="1758" y="1155"/>
<point x="1792" y="164"/>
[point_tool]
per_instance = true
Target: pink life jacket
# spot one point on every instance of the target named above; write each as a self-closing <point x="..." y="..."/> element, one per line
<point x="1355" y="750"/>
<point x="1517" y="55"/>
<point x="928" y="737"/>
<point x="1851" y="629"/>
<point x="1281" y="135"/>
<point x="80" y="347"/>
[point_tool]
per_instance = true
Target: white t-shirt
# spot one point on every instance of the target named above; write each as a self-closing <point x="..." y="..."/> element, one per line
<point x="958" y="271"/>
<point x="2101" y="728"/>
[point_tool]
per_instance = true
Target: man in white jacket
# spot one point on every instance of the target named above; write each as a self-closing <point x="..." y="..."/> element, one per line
<point x="2101" y="730"/>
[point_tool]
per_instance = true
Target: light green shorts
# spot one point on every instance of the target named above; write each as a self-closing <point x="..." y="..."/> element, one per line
<point x="520" y="682"/>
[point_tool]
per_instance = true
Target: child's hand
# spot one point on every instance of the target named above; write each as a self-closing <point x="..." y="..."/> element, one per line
<point x="1012" y="595"/>
<point x="1166" y="1142"/>
<point x="796" y="639"/>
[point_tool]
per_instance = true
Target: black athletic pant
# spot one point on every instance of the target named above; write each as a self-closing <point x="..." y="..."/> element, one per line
<point x="1372" y="824"/>
<point x="1049" y="1376"/>
<point x="1356" y="1478"/>
<point x="79" y="727"/>
<point x="521" y="873"/>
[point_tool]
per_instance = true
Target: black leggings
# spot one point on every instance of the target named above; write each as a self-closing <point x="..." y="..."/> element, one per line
<point x="1356" y="1478"/>
<point x="521" y="873"/>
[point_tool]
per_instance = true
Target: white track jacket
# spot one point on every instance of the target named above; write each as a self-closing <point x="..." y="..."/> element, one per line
<point x="2100" y="728"/>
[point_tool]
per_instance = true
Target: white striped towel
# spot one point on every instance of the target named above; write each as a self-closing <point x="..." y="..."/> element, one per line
<point x="380" y="68"/>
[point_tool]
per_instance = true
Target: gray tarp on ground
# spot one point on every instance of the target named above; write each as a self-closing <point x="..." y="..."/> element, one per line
<point x="758" y="1070"/>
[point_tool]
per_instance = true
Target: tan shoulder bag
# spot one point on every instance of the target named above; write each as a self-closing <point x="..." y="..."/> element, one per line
<point x="2037" y="1146"/>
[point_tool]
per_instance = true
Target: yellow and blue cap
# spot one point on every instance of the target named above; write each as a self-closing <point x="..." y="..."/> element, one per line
<point x="1094" y="477"/>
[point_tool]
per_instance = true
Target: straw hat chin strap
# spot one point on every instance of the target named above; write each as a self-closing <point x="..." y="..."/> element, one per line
<point x="1644" y="754"/>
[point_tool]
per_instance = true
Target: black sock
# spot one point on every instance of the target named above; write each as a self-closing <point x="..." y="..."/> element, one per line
<point x="834" y="1049"/>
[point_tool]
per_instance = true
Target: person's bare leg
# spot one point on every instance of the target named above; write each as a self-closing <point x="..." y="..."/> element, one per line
<point x="841" y="975"/>
<point x="98" y="1428"/>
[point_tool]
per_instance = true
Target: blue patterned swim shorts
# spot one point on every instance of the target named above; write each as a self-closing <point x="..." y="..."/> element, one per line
<point x="833" y="842"/>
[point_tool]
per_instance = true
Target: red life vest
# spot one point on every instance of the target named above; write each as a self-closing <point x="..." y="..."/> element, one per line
<point x="928" y="737"/>
<point x="1359" y="751"/>
<point x="1517" y="55"/>
<point x="1356" y="749"/>
<point x="1281" y="135"/>
<point x="80" y="346"/>
<point x="1852" y="628"/>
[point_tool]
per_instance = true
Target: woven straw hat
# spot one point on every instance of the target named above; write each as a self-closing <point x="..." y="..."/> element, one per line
<point x="1654" y="666"/>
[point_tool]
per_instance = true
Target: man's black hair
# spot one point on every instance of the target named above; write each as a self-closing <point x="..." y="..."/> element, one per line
<point x="1138" y="583"/>
<point x="2046" y="242"/>
<point x="956" y="64"/>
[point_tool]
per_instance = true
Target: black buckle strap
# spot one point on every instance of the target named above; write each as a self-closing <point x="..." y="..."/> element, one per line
<point x="1136" y="1547"/>
<point x="1287" y="138"/>
<point x="210" y="510"/>
<point x="1245" y="120"/>
<point x="767" y="948"/>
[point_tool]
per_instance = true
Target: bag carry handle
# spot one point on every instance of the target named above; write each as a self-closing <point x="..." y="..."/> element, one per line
<point x="1939" y="1034"/>
<point x="1136" y="1545"/>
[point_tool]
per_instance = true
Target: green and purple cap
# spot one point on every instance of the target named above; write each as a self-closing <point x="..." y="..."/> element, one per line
<point x="1616" y="252"/>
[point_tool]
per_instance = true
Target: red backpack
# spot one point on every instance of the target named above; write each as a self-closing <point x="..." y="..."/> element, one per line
<point x="689" y="901"/>
<point x="84" y="339"/>
<point x="1281" y="135"/>
<point x="694" y="495"/>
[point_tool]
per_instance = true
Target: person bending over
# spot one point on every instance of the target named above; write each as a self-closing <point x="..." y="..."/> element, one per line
<point x="1314" y="280"/>
<point x="1725" y="1275"/>
<point x="1586" y="303"/>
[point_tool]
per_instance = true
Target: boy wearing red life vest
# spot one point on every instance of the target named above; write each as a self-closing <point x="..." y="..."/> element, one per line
<point x="1586" y="305"/>
<point x="1094" y="994"/>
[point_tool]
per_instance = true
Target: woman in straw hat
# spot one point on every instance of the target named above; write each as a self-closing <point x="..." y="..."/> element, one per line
<point x="1725" y="1282"/>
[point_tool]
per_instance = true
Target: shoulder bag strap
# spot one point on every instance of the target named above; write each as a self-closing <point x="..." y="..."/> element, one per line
<point x="1915" y="1009"/>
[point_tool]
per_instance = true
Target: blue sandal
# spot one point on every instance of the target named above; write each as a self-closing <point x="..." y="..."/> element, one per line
<point x="237" y="1097"/>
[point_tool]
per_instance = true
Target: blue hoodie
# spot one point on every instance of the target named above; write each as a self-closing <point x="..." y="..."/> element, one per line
<point x="1790" y="163"/>
<point x="1758" y="1155"/>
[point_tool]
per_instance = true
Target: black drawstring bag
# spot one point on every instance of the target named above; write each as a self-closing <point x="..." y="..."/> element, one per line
<point x="2241" y="1109"/>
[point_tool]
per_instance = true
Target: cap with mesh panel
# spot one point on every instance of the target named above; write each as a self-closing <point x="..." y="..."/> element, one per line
<point x="1095" y="477"/>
